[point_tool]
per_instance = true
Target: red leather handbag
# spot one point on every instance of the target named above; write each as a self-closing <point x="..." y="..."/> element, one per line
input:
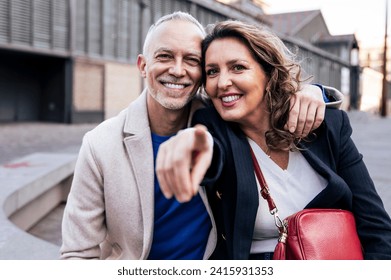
<point x="313" y="234"/>
<point x="319" y="234"/>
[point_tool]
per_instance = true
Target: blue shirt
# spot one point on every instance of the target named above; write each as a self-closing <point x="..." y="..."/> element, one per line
<point x="181" y="230"/>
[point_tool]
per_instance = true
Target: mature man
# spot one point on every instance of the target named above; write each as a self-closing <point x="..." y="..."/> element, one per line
<point x="115" y="208"/>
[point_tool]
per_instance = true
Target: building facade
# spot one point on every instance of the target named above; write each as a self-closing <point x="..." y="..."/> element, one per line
<point x="74" y="61"/>
<point x="310" y="26"/>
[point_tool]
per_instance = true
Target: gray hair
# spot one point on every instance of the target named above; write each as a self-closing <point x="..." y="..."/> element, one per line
<point x="173" y="16"/>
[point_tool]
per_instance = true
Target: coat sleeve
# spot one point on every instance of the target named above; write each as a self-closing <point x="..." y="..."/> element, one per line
<point x="203" y="116"/>
<point x="83" y="225"/>
<point x="334" y="96"/>
<point x="373" y="222"/>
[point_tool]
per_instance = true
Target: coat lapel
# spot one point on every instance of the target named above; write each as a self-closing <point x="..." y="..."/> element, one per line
<point x="247" y="195"/>
<point x="139" y="147"/>
<point x="319" y="155"/>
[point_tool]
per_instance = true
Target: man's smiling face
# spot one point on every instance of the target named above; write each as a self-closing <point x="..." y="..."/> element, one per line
<point x="171" y="63"/>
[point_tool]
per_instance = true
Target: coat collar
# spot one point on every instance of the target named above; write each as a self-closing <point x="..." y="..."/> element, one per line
<point x="138" y="143"/>
<point x="137" y="119"/>
<point x="320" y="156"/>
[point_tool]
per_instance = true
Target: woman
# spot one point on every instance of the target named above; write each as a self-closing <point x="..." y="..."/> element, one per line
<point x="250" y="78"/>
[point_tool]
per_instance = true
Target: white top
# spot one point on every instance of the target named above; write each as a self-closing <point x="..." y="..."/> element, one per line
<point x="291" y="189"/>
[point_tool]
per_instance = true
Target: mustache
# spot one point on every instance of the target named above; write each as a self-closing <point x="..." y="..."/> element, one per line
<point x="173" y="80"/>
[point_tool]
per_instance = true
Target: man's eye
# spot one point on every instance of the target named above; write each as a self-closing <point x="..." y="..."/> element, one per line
<point x="163" y="56"/>
<point x="194" y="61"/>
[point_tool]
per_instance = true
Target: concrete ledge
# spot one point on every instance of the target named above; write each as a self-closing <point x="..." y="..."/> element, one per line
<point x="30" y="188"/>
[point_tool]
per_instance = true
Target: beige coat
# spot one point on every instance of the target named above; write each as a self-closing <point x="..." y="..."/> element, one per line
<point x="109" y="212"/>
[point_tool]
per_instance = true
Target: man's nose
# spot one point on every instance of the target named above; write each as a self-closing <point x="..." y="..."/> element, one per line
<point x="177" y="69"/>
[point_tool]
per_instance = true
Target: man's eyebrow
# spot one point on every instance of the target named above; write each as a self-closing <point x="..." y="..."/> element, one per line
<point x="195" y="53"/>
<point x="163" y="50"/>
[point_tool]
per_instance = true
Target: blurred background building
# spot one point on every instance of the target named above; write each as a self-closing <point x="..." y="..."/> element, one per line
<point x="74" y="61"/>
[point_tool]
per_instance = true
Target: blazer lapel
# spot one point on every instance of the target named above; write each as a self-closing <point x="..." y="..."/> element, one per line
<point x="139" y="146"/>
<point x="247" y="195"/>
<point x="320" y="157"/>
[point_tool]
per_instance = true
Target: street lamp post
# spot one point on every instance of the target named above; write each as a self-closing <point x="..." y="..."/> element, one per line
<point x="354" y="78"/>
<point x="383" y="106"/>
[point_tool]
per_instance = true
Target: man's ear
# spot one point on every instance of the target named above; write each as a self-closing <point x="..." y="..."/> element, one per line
<point x="141" y="63"/>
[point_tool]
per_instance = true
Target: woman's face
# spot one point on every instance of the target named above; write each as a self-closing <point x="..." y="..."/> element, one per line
<point x="235" y="81"/>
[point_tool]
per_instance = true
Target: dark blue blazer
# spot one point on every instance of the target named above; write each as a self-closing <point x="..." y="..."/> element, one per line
<point x="233" y="193"/>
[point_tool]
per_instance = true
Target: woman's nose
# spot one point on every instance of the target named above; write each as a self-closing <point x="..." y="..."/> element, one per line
<point x="224" y="81"/>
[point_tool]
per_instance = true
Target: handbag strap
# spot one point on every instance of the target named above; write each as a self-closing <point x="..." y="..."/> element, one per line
<point x="265" y="193"/>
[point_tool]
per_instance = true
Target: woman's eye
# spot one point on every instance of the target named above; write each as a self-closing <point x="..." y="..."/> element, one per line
<point x="211" y="72"/>
<point x="238" y="67"/>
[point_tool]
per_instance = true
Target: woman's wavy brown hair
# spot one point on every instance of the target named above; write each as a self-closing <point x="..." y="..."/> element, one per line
<point x="284" y="74"/>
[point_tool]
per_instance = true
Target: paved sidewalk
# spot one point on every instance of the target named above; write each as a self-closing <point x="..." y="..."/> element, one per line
<point x="20" y="139"/>
<point x="371" y="134"/>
